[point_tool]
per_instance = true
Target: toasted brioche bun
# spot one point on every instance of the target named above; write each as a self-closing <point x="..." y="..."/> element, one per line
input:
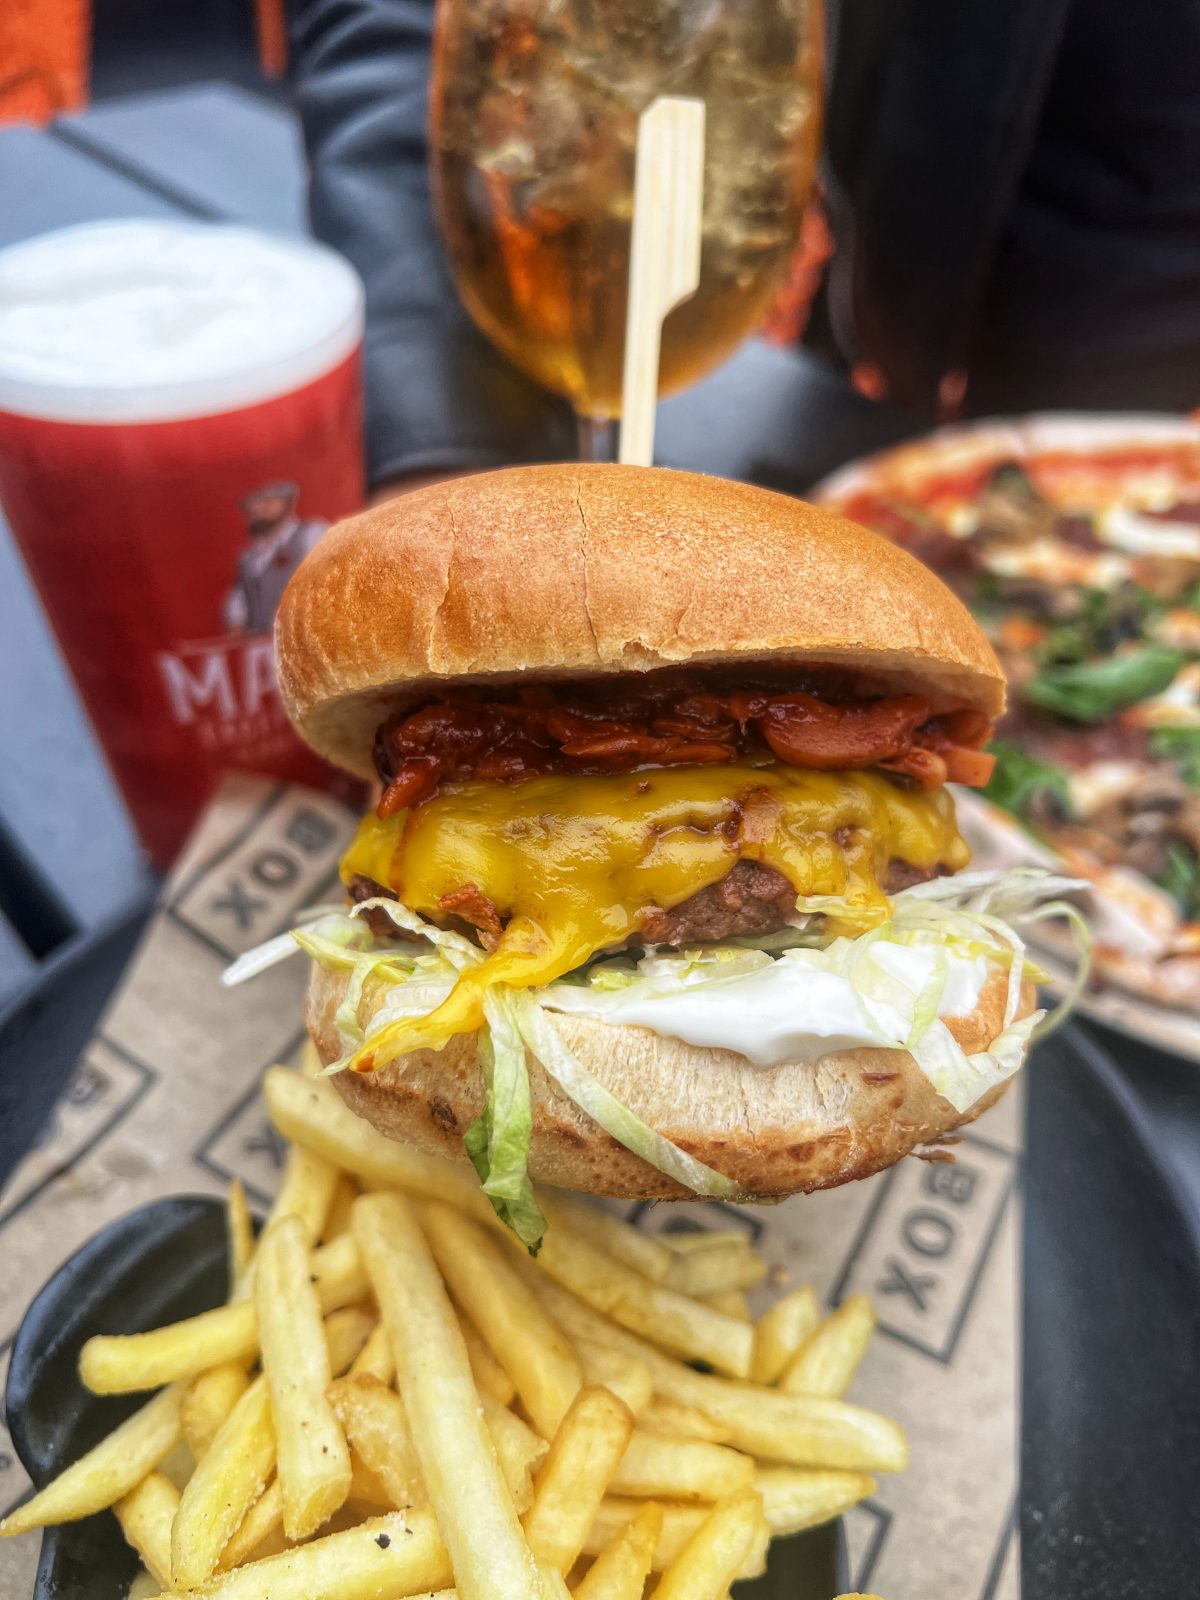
<point x="776" y="1130"/>
<point x="570" y="571"/>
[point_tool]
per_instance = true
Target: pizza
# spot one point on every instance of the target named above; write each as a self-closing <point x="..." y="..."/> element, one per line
<point x="1076" y="542"/>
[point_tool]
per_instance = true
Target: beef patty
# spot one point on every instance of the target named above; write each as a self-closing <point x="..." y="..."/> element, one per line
<point x="750" y="901"/>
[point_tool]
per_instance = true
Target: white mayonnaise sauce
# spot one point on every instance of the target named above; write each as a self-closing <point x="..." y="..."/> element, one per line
<point x="789" y="1011"/>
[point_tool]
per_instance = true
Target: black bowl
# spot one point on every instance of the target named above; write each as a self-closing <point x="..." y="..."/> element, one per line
<point x="165" y="1261"/>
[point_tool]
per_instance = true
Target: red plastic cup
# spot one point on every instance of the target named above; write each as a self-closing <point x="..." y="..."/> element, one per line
<point x="180" y="421"/>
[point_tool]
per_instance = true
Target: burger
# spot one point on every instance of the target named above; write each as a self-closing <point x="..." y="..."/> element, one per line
<point x="663" y="895"/>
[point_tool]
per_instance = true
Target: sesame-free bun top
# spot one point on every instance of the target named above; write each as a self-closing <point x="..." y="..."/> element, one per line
<point x="574" y="571"/>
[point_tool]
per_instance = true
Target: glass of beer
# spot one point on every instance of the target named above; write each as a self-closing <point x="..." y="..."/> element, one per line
<point x="180" y="421"/>
<point x="534" y="122"/>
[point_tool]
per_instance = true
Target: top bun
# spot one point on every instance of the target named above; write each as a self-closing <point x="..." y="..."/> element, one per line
<point x="571" y="571"/>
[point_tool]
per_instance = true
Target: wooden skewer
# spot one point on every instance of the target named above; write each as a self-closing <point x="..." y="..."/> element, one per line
<point x="664" y="256"/>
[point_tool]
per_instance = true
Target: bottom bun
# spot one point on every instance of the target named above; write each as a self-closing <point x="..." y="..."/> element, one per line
<point x="775" y="1130"/>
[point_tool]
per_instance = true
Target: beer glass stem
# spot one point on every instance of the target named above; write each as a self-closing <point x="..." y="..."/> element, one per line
<point x="597" y="438"/>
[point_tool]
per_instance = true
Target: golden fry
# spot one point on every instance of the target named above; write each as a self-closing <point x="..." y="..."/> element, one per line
<point x="347" y="1333"/>
<point x="208" y="1400"/>
<point x="374" y="1419"/>
<point x="829" y="1358"/>
<point x="239" y="1229"/>
<point x="709" y="1262"/>
<point x="621" y="1570"/>
<point x="801" y="1430"/>
<point x="338" y="1217"/>
<point x="108" y="1471"/>
<point x="628" y="1378"/>
<point x="680" y="1325"/>
<point x="122" y="1363"/>
<point x="794" y="1498"/>
<point x="312" y="1454"/>
<point x="306" y="1191"/>
<point x="375" y="1359"/>
<point x="732" y="1302"/>
<point x="678" y="1525"/>
<point x="681" y="1422"/>
<point x="223" y="1487"/>
<point x="387" y="1558"/>
<point x="681" y="1469"/>
<point x="781" y="1332"/>
<point x="260" y="1532"/>
<point x="641" y="1251"/>
<point x="571" y="1481"/>
<point x="470" y="1499"/>
<point x="518" y="1450"/>
<point x="519" y="1334"/>
<point x="715" y="1554"/>
<point x="312" y="1113"/>
<point x="490" y="1377"/>
<point x="145" y="1515"/>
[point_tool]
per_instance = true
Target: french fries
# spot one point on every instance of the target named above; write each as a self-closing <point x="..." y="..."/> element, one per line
<point x="313" y="1113"/>
<point x="382" y="1559"/>
<point x="679" y="1523"/>
<point x="395" y="1399"/>
<point x="521" y="1337"/>
<point x="710" y="1263"/>
<point x="373" y="1417"/>
<point x="680" y="1421"/>
<point x="490" y="1377"/>
<point x="239" y="1230"/>
<point x="124" y="1363"/>
<point x="260" y="1532"/>
<point x="670" y="1319"/>
<point x="794" y="1499"/>
<point x="829" y="1358"/>
<point x="313" y="1457"/>
<point x="781" y="1332"/>
<point x="310" y="1112"/>
<point x="715" y="1554"/>
<point x="375" y="1359"/>
<point x="627" y="1377"/>
<point x="799" y="1429"/>
<point x="681" y="1469"/>
<point x="620" y="1571"/>
<point x="470" y="1499"/>
<point x="208" y="1400"/>
<point x="337" y="1219"/>
<point x="108" y="1471"/>
<point x="306" y="1191"/>
<point x="571" y="1481"/>
<point x="732" y="1302"/>
<point x="641" y="1251"/>
<point x="224" y="1485"/>
<point x="518" y="1450"/>
<point x="146" y="1514"/>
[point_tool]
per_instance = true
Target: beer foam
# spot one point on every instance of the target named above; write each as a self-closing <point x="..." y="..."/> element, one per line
<point x="144" y="321"/>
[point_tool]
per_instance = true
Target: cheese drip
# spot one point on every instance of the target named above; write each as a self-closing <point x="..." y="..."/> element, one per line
<point x="575" y="864"/>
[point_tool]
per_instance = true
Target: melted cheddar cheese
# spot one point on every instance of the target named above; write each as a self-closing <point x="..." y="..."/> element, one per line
<point x="575" y="864"/>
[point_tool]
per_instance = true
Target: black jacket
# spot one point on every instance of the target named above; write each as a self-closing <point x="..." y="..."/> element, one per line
<point x="1014" y="187"/>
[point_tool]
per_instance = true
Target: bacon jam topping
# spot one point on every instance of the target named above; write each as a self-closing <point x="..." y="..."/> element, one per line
<point x="675" y="720"/>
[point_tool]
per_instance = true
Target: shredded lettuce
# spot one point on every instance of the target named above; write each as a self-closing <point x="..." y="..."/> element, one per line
<point x="590" y="1095"/>
<point x="332" y="928"/>
<point x="898" y="999"/>
<point x="498" y="1141"/>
